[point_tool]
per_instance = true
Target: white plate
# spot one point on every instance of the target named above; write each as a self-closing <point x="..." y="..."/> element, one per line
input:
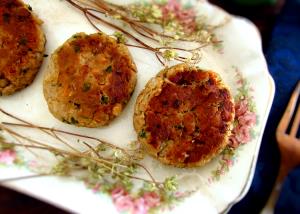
<point x="242" y="52"/>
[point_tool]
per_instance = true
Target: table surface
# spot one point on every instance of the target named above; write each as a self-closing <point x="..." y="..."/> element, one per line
<point x="264" y="18"/>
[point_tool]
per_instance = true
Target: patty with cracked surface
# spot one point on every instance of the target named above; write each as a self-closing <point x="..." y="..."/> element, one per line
<point x="184" y="116"/>
<point x="22" y="45"/>
<point x="89" y="80"/>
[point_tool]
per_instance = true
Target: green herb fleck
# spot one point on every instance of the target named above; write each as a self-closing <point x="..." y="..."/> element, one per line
<point x="108" y="69"/>
<point x="169" y="54"/>
<point x="120" y="37"/>
<point x="127" y="183"/>
<point x="61" y="168"/>
<point x="149" y="186"/>
<point x="106" y="187"/>
<point x="235" y="123"/>
<point x="5" y="146"/>
<point x="101" y="148"/>
<point x="104" y="99"/>
<point x="170" y="184"/>
<point x="143" y="134"/>
<point x="86" y="86"/>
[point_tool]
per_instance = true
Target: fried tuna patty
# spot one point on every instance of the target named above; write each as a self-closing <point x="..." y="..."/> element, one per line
<point x="90" y="79"/>
<point x="184" y="116"/>
<point x="22" y="45"/>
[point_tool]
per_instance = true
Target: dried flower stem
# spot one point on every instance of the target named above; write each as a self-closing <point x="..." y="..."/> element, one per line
<point x="90" y="8"/>
<point x="103" y="162"/>
<point x="53" y="130"/>
<point x="107" y="163"/>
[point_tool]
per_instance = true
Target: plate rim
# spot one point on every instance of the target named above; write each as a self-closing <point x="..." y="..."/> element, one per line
<point x="251" y="172"/>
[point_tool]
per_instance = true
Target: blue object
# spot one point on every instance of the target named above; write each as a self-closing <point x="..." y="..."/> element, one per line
<point x="283" y="57"/>
<point x="289" y="198"/>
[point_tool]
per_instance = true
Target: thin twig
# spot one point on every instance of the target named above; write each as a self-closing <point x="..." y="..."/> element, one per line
<point x="90" y="8"/>
<point x="39" y="145"/>
<point x="29" y="125"/>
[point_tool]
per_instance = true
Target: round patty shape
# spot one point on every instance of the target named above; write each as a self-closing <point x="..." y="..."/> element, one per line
<point x="22" y="45"/>
<point x="184" y="116"/>
<point x="90" y="79"/>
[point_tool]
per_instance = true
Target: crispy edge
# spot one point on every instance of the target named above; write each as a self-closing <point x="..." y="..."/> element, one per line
<point x="51" y="78"/>
<point x="153" y="88"/>
<point x="11" y="89"/>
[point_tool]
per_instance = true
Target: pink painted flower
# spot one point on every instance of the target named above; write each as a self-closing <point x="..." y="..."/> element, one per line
<point x="233" y="141"/>
<point x="117" y="192"/>
<point x="246" y="119"/>
<point x="229" y="162"/>
<point x="124" y="203"/>
<point x="240" y="135"/>
<point x="140" y="207"/>
<point x="243" y="134"/>
<point x="241" y="107"/>
<point x="122" y="200"/>
<point x="186" y="17"/>
<point x="151" y="199"/>
<point x="172" y="6"/>
<point x="7" y="156"/>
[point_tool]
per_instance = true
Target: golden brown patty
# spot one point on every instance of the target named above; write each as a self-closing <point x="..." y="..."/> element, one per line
<point x="89" y="80"/>
<point x="184" y="116"/>
<point x="22" y="45"/>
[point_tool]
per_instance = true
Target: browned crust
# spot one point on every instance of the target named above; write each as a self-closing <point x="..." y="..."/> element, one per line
<point x="89" y="80"/>
<point x="182" y="150"/>
<point x="22" y="45"/>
